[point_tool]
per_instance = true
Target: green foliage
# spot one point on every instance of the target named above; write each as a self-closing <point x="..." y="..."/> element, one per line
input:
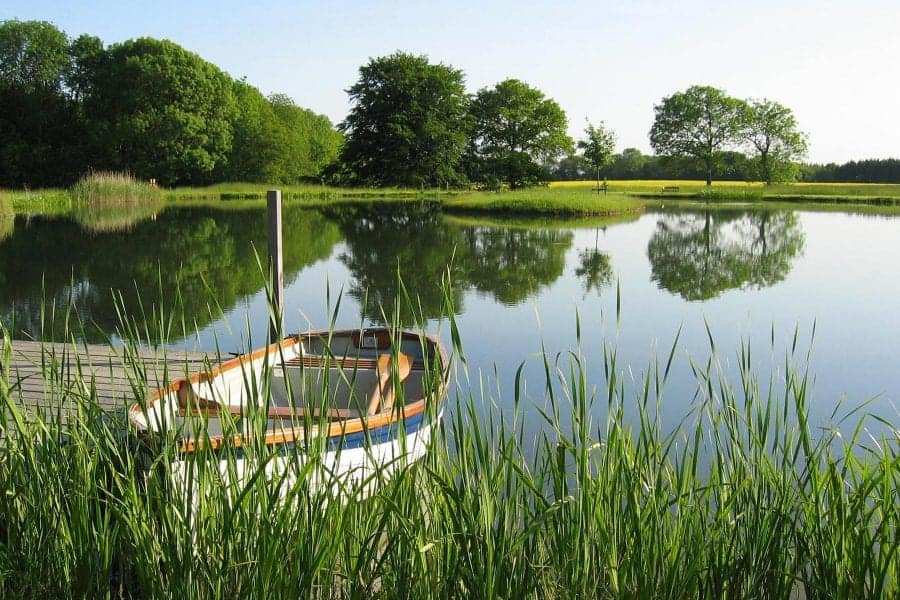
<point x="276" y="141"/>
<point x="771" y="131"/>
<point x="515" y="130"/>
<point x="595" y="267"/>
<point x="542" y="201"/>
<point x="105" y="202"/>
<point x="306" y="142"/>
<point x="873" y="170"/>
<point x="162" y="112"/>
<point x="631" y="163"/>
<point x="746" y="498"/>
<point x="598" y="146"/>
<point x="698" y="122"/>
<point x="731" y="194"/>
<point x="41" y="134"/>
<point x="144" y="106"/>
<point x="407" y="125"/>
<point x="255" y="148"/>
<point x="86" y="55"/>
<point x="572" y="167"/>
<point x="33" y="56"/>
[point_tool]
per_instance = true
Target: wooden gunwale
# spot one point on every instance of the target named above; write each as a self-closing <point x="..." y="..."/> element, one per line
<point x="336" y="429"/>
<point x="219" y="369"/>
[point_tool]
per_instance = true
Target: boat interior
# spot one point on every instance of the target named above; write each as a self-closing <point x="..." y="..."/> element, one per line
<point x="317" y="378"/>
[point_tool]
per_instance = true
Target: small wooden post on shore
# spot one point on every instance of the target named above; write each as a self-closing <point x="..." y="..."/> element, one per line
<point x="276" y="265"/>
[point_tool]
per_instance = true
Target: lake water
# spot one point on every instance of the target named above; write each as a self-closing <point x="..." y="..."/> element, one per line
<point x="752" y="278"/>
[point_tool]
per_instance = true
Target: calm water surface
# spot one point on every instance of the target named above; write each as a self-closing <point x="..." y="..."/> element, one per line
<point x="752" y="278"/>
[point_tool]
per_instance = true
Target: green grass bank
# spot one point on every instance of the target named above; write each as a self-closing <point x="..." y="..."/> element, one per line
<point x="557" y="200"/>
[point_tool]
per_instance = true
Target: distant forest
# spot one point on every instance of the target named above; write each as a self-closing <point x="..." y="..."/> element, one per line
<point x="631" y="163"/>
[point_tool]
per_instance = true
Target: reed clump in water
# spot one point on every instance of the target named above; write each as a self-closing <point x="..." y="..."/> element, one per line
<point x="745" y="499"/>
<point x="100" y="187"/>
<point x="105" y="201"/>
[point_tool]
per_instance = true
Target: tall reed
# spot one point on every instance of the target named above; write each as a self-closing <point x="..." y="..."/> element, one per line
<point x="745" y="499"/>
<point x="99" y="187"/>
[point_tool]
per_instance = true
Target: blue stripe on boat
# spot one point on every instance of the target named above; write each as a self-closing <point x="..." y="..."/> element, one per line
<point x="380" y="435"/>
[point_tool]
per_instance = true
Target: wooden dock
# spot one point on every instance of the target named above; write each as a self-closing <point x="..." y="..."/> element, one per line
<point x="52" y="377"/>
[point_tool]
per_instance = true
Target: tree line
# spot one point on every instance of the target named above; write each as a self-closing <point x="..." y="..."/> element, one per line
<point x="156" y="110"/>
<point x="873" y="170"/>
<point x="631" y="163"/>
<point x="145" y="106"/>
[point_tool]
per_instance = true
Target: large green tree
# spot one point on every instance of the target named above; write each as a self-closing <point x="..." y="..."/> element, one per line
<point x="255" y="147"/>
<point x="163" y="112"/>
<point x="407" y="125"/>
<point x="698" y="122"/>
<point x="515" y="131"/>
<point x="86" y="55"/>
<point x="276" y="141"/>
<point x="33" y="55"/>
<point x="772" y="133"/>
<point x="40" y="131"/>
<point x="308" y="142"/>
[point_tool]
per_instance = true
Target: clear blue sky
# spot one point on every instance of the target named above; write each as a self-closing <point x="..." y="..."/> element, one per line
<point x="835" y="63"/>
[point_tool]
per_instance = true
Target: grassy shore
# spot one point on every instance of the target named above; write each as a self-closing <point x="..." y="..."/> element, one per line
<point x="308" y="192"/>
<point x="745" y="499"/>
<point x="559" y="199"/>
<point x="649" y="186"/>
<point x="798" y="195"/>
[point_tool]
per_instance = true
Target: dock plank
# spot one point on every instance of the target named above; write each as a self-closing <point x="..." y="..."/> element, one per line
<point x="50" y="377"/>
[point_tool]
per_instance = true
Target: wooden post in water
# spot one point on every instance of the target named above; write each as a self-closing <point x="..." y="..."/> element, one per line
<point x="276" y="265"/>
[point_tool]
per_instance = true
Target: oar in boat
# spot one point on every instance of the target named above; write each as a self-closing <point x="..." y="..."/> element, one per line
<point x="384" y="391"/>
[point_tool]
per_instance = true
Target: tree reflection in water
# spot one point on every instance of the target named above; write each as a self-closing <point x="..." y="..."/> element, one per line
<point x="699" y="256"/>
<point x="189" y="262"/>
<point x="508" y="263"/>
<point x="594" y="266"/>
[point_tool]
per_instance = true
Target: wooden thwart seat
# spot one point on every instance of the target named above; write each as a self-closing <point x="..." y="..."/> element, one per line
<point x="344" y="362"/>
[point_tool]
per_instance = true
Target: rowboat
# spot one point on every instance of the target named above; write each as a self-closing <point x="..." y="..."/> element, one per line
<point x="365" y="400"/>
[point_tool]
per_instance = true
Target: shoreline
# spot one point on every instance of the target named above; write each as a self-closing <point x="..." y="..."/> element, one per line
<point x="558" y="200"/>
